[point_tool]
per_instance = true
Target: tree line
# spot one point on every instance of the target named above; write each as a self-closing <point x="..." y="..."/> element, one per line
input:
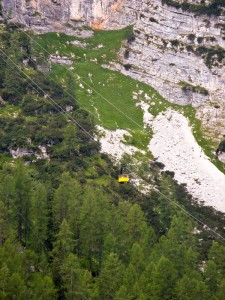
<point x="75" y="242"/>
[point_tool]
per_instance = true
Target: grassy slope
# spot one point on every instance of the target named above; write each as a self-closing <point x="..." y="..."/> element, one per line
<point x="95" y="93"/>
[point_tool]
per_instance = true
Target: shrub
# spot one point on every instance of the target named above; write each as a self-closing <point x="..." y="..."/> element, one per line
<point x="127" y="67"/>
<point x="196" y="89"/>
<point x="200" y="9"/>
<point x="153" y="20"/>
<point x="129" y="35"/>
<point x="200" y="39"/>
<point x="221" y="147"/>
<point x="159" y="165"/>
<point x="90" y="148"/>
<point x="126" y="53"/>
<point x="175" y="43"/>
<point x="191" y="37"/>
<point x="201" y="50"/>
<point x="189" y="48"/>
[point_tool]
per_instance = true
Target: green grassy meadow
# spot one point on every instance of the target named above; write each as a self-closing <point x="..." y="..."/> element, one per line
<point x="107" y="94"/>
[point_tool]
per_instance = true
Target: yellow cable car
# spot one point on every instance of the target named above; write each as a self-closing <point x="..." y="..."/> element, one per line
<point x="123" y="178"/>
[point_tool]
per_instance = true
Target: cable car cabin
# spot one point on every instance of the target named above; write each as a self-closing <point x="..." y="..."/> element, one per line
<point x="123" y="178"/>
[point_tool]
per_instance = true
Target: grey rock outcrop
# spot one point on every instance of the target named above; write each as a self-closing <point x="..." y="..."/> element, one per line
<point x="61" y="60"/>
<point x="183" y="57"/>
<point x="166" y="53"/>
<point x="62" y="15"/>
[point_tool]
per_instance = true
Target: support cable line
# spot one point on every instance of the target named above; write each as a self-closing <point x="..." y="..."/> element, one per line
<point x="198" y="221"/>
<point x="47" y="96"/>
<point x="63" y="111"/>
<point x="88" y="85"/>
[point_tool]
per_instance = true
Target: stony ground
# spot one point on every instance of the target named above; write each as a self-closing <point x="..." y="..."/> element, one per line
<point x="174" y="145"/>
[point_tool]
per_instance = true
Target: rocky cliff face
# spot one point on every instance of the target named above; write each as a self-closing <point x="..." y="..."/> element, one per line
<point x="181" y="50"/>
<point x="178" y="53"/>
<point x="45" y="15"/>
<point x="183" y="57"/>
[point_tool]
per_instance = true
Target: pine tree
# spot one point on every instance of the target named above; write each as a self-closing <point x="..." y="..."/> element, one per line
<point x="4" y="224"/>
<point x="70" y="140"/>
<point x="42" y="287"/>
<point x="192" y="287"/>
<point x="4" y="280"/>
<point x="16" y="287"/>
<point x="22" y="201"/>
<point x="94" y="225"/>
<point x="77" y="282"/>
<point x="217" y="255"/>
<point x="63" y="196"/>
<point x="39" y="218"/>
<point x="163" y="280"/>
<point x="111" y="277"/>
<point x="63" y="246"/>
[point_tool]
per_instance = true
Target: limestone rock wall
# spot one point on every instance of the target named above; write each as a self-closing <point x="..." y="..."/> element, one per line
<point x="46" y="15"/>
<point x="172" y="47"/>
<point x="183" y="57"/>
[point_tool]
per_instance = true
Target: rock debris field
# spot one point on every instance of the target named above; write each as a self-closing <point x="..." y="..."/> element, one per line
<point x="174" y="145"/>
<point x="112" y="143"/>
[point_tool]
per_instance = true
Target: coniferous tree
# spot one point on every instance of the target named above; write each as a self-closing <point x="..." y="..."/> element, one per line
<point x="4" y="224"/>
<point x="192" y="287"/>
<point x="217" y="255"/>
<point x="7" y="189"/>
<point x="163" y="280"/>
<point x="63" y="246"/>
<point x="111" y="277"/>
<point x="94" y="226"/>
<point x="4" y="280"/>
<point x="16" y="287"/>
<point x="63" y="196"/>
<point x="22" y="201"/>
<point x="76" y="282"/>
<point x="70" y="140"/>
<point x="13" y="77"/>
<point x="221" y="290"/>
<point x="212" y="277"/>
<point x="64" y="243"/>
<point x="42" y="287"/>
<point x="133" y="273"/>
<point x="39" y="218"/>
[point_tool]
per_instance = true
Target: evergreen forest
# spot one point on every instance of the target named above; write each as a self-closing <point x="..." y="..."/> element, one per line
<point x="68" y="230"/>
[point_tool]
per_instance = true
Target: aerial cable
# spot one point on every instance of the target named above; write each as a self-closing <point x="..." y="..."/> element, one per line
<point x="198" y="221"/>
<point x="63" y="111"/>
<point x="46" y="95"/>
<point x="205" y="226"/>
<point x="60" y="111"/>
<point x="88" y="85"/>
<point x="47" y="75"/>
<point x="190" y="215"/>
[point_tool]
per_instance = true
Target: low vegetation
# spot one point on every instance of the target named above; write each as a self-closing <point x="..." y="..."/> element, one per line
<point x="213" y="8"/>
<point x="196" y="89"/>
<point x="221" y="147"/>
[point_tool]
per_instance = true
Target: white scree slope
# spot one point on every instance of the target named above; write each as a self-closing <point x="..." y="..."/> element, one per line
<point x="175" y="146"/>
